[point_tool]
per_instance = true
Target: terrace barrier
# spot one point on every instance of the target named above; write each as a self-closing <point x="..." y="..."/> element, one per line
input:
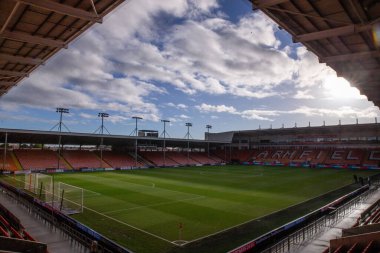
<point x="299" y="238"/>
<point x="309" y="226"/>
<point x="75" y="230"/>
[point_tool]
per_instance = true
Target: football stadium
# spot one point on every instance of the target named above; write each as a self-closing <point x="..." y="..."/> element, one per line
<point x="310" y="188"/>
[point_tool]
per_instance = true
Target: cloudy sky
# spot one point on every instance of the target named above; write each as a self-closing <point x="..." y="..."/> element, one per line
<point x="202" y="61"/>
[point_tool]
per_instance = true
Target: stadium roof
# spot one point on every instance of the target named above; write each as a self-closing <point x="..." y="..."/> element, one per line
<point x="69" y="138"/>
<point x="341" y="33"/>
<point x="348" y="130"/>
<point x="33" y="31"/>
<point x="342" y="131"/>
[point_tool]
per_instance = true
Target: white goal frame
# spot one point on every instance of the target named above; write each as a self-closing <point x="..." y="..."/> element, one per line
<point x="34" y="182"/>
<point x="63" y="199"/>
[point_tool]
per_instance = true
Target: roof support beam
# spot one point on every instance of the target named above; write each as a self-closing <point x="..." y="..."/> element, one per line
<point x="6" y="83"/>
<point x="20" y="59"/>
<point x="24" y="37"/>
<point x="350" y="57"/>
<point x="63" y="9"/>
<point x="9" y="17"/>
<point x="12" y="73"/>
<point x="360" y="73"/>
<point x="334" y="32"/>
<point x="267" y="3"/>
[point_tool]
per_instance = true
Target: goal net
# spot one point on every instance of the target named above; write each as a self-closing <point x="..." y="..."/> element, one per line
<point x="70" y="198"/>
<point x="40" y="184"/>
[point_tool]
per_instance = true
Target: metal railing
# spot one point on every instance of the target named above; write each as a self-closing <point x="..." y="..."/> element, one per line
<point x="298" y="239"/>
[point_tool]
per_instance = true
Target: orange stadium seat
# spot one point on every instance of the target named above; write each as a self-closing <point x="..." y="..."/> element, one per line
<point x="31" y="159"/>
<point x="119" y="160"/>
<point x="9" y="162"/>
<point x="83" y="159"/>
<point x="157" y="158"/>
<point x="181" y="158"/>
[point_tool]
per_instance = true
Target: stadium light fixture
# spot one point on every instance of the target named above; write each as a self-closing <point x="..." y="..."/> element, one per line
<point x="188" y="135"/>
<point x="164" y="134"/>
<point x="136" y="118"/>
<point x="5" y="150"/>
<point x="61" y="111"/>
<point x="135" y="131"/>
<point x="102" y="115"/>
<point x="208" y="143"/>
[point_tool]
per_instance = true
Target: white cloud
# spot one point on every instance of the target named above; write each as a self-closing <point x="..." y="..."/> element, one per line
<point x="303" y="94"/>
<point x="183" y="116"/>
<point x="248" y="114"/>
<point x="341" y="112"/>
<point x="122" y="64"/>
<point x="180" y="106"/>
<point x="270" y="115"/>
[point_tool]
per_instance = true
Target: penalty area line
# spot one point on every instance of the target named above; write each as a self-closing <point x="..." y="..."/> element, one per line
<point x="128" y="225"/>
<point x="152" y="205"/>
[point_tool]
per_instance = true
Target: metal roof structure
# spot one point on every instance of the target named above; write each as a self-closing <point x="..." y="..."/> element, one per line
<point x="372" y="129"/>
<point x="33" y="31"/>
<point x="70" y="138"/>
<point x="342" y="33"/>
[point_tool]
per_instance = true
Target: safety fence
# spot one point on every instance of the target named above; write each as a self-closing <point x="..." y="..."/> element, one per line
<point x="309" y="232"/>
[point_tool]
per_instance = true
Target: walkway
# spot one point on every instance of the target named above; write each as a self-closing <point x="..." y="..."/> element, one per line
<point x="56" y="241"/>
<point x="320" y="243"/>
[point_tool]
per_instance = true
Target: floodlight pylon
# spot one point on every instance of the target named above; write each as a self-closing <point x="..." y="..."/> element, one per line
<point x="101" y="128"/>
<point x="61" y="111"/>
<point x="164" y="133"/>
<point x="135" y="131"/>
<point x="208" y="142"/>
<point x="188" y="135"/>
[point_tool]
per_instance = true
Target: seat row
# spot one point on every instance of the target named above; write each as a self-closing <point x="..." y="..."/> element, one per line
<point x="39" y="159"/>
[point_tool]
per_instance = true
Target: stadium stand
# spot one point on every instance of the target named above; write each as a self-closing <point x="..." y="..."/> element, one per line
<point x="119" y="160"/>
<point x="32" y="159"/>
<point x="157" y="158"/>
<point x="315" y="156"/>
<point x="242" y="155"/>
<point x="348" y="157"/>
<point x="83" y="159"/>
<point x="9" y="162"/>
<point x="182" y="158"/>
<point x="11" y="227"/>
<point x="202" y="158"/>
<point x="371" y="157"/>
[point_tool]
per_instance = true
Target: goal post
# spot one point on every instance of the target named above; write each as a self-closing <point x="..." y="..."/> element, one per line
<point x="40" y="184"/>
<point x="70" y="198"/>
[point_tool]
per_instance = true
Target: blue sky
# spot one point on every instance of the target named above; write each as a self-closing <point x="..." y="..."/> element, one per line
<point x="200" y="61"/>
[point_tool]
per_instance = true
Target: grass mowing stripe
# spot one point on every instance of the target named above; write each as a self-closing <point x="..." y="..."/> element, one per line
<point x="227" y="195"/>
<point x="159" y="204"/>
<point x="126" y="224"/>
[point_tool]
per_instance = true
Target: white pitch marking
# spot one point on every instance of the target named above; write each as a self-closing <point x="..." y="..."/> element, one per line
<point x="128" y="225"/>
<point x="152" y="205"/>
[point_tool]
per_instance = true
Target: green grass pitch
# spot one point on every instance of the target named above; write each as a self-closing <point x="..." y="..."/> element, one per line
<point x="143" y="209"/>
